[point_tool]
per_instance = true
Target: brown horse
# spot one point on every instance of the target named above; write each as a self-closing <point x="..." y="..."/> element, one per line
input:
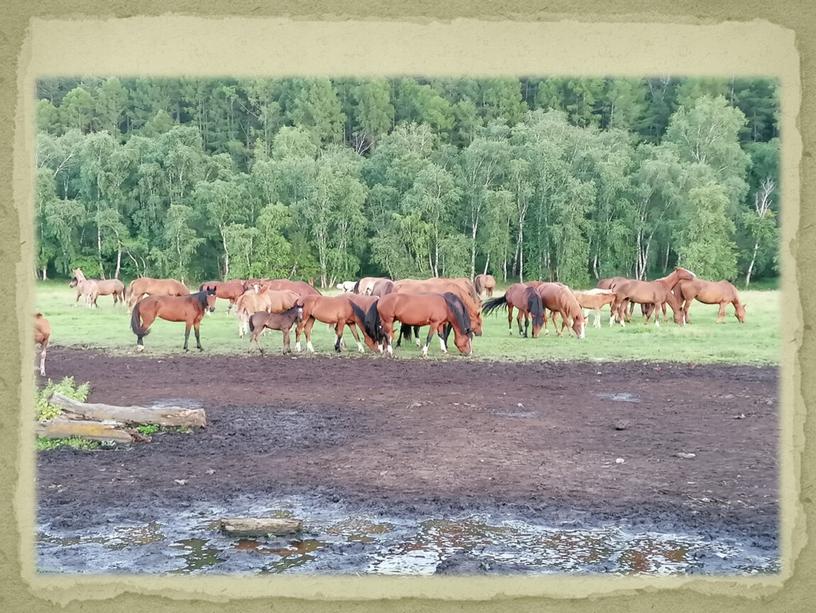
<point x="434" y="310"/>
<point x="226" y="290"/>
<point x="93" y="288"/>
<point x="596" y="299"/>
<point x="558" y="298"/>
<point x="485" y="284"/>
<point x="300" y="287"/>
<point x="334" y="310"/>
<point x="190" y="309"/>
<point x="655" y="293"/>
<point x="710" y="292"/>
<point x="42" y="334"/>
<point x="283" y="321"/>
<point x="271" y="301"/>
<point x="526" y="300"/>
<point x="142" y="286"/>
<point x="365" y="286"/>
<point x="382" y="287"/>
<point x="438" y="285"/>
<point x="363" y="304"/>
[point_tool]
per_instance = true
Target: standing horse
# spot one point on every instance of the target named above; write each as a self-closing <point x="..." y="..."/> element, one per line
<point x="434" y="310"/>
<point x="526" y="300"/>
<point x="142" y="286"/>
<point x="334" y="310"/>
<point x="299" y="287"/>
<point x="226" y="290"/>
<point x="283" y="321"/>
<point x="655" y="293"/>
<point x="42" y="334"/>
<point x="437" y="285"/>
<point x="363" y="303"/>
<point x="271" y="301"/>
<point x="710" y="292"/>
<point x="93" y="288"/>
<point x="190" y="309"/>
<point x="485" y="284"/>
<point x="596" y="299"/>
<point x="558" y="298"/>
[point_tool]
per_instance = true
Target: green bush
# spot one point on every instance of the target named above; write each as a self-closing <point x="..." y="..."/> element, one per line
<point x="47" y="444"/>
<point x="66" y="387"/>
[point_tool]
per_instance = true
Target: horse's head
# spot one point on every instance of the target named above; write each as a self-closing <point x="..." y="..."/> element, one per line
<point x="211" y="298"/>
<point x="463" y="344"/>
<point x="475" y="321"/>
<point x="73" y="282"/>
<point x="684" y="274"/>
<point x="739" y="312"/>
<point x="579" y="325"/>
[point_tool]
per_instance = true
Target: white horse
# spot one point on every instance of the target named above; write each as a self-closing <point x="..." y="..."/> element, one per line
<point x="346" y="286"/>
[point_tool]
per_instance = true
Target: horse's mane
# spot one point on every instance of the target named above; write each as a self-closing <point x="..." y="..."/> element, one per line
<point x="459" y="311"/>
<point x="201" y="298"/>
<point x="477" y="283"/>
<point x="534" y="306"/>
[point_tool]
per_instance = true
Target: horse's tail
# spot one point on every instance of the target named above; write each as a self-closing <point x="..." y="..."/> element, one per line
<point x="494" y="303"/>
<point x="535" y="307"/>
<point x="371" y="322"/>
<point x="251" y="325"/>
<point x="136" y="322"/>
<point x="356" y="288"/>
<point x="406" y="332"/>
<point x="477" y="284"/>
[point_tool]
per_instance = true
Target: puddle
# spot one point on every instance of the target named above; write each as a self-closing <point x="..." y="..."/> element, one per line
<point x="620" y="397"/>
<point x="339" y="540"/>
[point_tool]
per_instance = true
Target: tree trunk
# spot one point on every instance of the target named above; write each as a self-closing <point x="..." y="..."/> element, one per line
<point x="751" y="265"/>
<point x="45" y="273"/>
<point x="118" y="261"/>
<point x="487" y="262"/>
<point x="99" y="251"/>
<point x="163" y="416"/>
<point x="521" y="251"/>
<point x="226" y="254"/>
<point x="92" y="430"/>
<point x="260" y="526"/>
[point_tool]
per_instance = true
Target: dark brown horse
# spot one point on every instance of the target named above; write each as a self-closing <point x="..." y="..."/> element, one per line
<point x="42" y="334"/>
<point x="485" y="284"/>
<point x="434" y="310"/>
<point x="333" y="310"/>
<point x="190" y="309"/>
<point x="269" y="300"/>
<point x="558" y="298"/>
<point x="654" y="293"/>
<point x="722" y="293"/>
<point x="526" y="300"/>
<point x="284" y="321"/>
<point x="154" y="287"/>
<point x="226" y="290"/>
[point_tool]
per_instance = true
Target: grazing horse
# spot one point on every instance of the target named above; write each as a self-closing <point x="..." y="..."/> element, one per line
<point x="437" y="285"/>
<point x="710" y="292"/>
<point x="596" y="299"/>
<point x="282" y="321"/>
<point x="42" y="334"/>
<point x="363" y="304"/>
<point x="190" y="309"/>
<point x="434" y="310"/>
<point x="299" y="287"/>
<point x="333" y="310"/>
<point x="485" y="284"/>
<point x="558" y="298"/>
<point x="526" y="300"/>
<point x="655" y="293"/>
<point x="93" y="288"/>
<point x="154" y="287"/>
<point x="271" y="301"/>
<point x="226" y="290"/>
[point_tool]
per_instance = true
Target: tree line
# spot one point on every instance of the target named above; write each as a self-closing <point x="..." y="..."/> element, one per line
<point x="332" y="179"/>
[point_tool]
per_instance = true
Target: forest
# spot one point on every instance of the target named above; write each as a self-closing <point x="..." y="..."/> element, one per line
<point x="568" y="179"/>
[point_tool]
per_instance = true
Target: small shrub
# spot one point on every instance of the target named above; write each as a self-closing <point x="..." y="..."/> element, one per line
<point x="47" y="444"/>
<point x="148" y="429"/>
<point x="66" y="387"/>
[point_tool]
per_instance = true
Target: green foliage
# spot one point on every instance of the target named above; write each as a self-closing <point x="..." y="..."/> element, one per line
<point x="49" y="444"/>
<point x="66" y="387"/>
<point x="148" y="429"/>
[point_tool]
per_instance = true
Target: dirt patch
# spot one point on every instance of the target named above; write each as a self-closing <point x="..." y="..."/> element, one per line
<point x="554" y="440"/>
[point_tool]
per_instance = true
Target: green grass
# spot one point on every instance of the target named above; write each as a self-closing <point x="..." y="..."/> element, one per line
<point x="48" y="444"/>
<point x="756" y="341"/>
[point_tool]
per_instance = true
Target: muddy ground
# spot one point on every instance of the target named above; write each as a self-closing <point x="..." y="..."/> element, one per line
<point x="435" y="437"/>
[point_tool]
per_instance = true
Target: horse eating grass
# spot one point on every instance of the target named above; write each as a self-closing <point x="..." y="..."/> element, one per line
<point x="558" y="298"/>
<point x="655" y="293"/>
<point x="42" y="334"/>
<point x="190" y="309"/>
<point x="596" y="299"/>
<point x="710" y="292"/>
<point x="284" y="321"/>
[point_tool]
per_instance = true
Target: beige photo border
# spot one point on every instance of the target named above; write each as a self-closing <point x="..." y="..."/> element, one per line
<point x="599" y="45"/>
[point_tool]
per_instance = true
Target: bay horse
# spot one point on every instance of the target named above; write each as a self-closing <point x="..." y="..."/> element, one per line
<point x="485" y="285"/>
<point x="526" y="300"/>
<point x="596" y="299"/>
<point x="710" y="292"/>
<point x="142" y="286"/>
<point x="42" y="334"/>
<point x="282" y="321"/>
<point x="333" y="310"/>
<point x="100" y="287"/>
<point x="558" y="298"/>
<point x="270" y="300"/>
<point x="226" y="290"/>
<point x="190" y="309"/>
<point x="655" y="293"/>
<point x="434" y="310"/>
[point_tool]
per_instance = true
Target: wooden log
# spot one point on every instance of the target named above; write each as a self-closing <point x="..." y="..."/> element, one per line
<point x="260" y="526"/>
<point x="92" y="430"/>
<point x="163" y="416"/>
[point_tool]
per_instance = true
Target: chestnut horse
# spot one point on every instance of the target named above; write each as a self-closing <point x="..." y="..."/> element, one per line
<point x="596" y="299"/>
<point x="485" y="284"/>
<point x="271" y="301"/>
<point x="226" y="290"/>
<point x="438" y="285"/>
<point x="655" y="293"/>
<point x="434" y="310"/>
<point x="334" y="310"/>
<point x="526" y="300"/>
<point x="42" y="334"/>
<point x="558" y="298"/>
<point x="282" y="321"/>
<point x="190" y="309"/>
<point x="154" y="287"/>
<point x="710" y="292"/>
<point x="299" y="287"/>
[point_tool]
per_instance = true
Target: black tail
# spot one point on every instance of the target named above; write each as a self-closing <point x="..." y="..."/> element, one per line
<point x="535" y="307"/>
<point x="405" y="332"/>
<point x="136" y="322"/>
<point x="371" y="323"/>
<point x="494" y="303"/>
<point x="356" y="289"/>
<point x="251" y="325"/>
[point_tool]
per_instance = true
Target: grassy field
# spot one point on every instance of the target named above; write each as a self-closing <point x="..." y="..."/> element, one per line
<point x="756" y="341"/>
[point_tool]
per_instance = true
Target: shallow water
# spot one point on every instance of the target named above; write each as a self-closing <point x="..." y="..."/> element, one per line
<point x="339" y="540"/>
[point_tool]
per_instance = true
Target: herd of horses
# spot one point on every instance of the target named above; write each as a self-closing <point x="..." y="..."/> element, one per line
<point x="371" y="306"/>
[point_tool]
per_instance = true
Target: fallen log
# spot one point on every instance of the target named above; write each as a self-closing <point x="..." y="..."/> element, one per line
<point x="260" y="526"/>
<point x="163" y="416"/>
<point x="92" y="430"/>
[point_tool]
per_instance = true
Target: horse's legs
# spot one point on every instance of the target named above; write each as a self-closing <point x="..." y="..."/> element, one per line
<point x="187" y="327"/>
<point x="286" y="347"/>
<point x="721" y="312"/>
<point x="596" y="314"/>
<point x="299" y="331"/>
<point x="428" y="341"/>
<point x="510" y="319"/>
<point x="307" y="329"/>
<point x="42" y="358"/>
<point x="338" y="329"/>
<point x="656" y="310"/>
<point x="360" y="346"/>
<point x="197" y="328"/>
<point x="526" y="324"/>
<point x="518" y="321"/>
